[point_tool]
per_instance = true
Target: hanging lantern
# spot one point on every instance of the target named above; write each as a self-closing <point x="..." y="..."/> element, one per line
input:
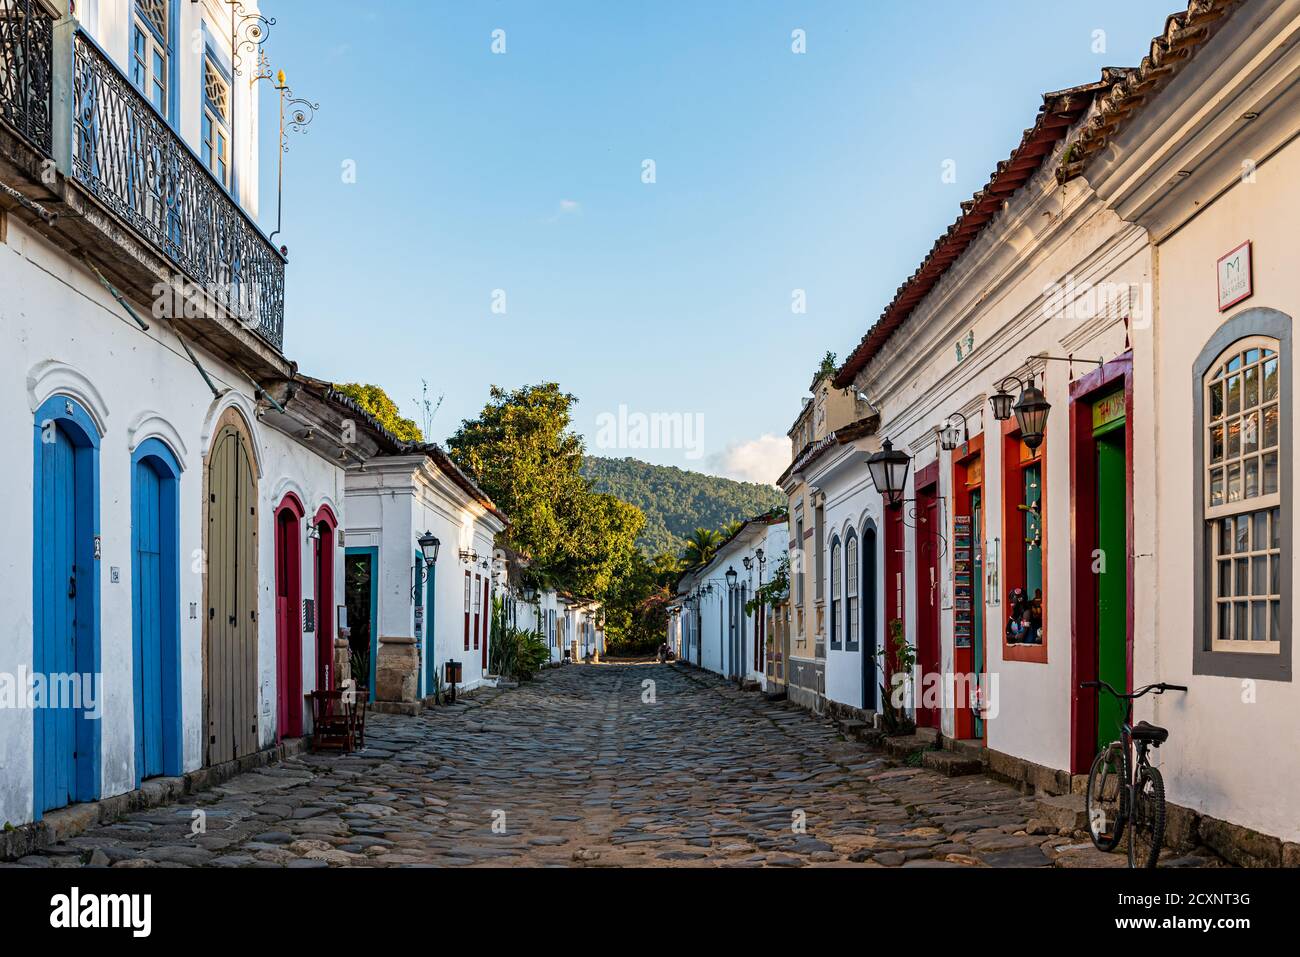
<point x="1001" y="404"/>
<point x="1031" y="415"/>
<point x="888" y="469"/>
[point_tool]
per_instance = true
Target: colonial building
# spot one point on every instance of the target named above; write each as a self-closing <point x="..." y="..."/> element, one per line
<point x="172" y="517"/>
<point x="420" y="548"/>
<point x="828" y="408"/>
<point x="1080" y="399"/>
<point x="1197" y="149"/>
<point x="721" y="631"/>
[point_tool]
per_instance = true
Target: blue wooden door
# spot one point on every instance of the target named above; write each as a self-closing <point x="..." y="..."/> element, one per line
<point x="148" y="533"/>
<point x="56" y="618"/>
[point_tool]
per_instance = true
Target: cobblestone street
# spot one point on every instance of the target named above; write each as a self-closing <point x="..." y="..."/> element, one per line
<point x="574" y="769"/>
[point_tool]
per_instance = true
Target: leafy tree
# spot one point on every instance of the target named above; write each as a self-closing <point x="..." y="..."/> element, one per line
<point x="701" y="546"/>
<point x="676" y="501"/>
<point x="375" y="400"/>
<point x="521" y="453"/>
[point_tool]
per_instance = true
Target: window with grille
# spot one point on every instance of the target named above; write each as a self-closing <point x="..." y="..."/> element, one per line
<point x="1242" y="496"/>
<point x="216" y="121"/>
<point x="149" y="52"/>
<point x="851" y="591"/>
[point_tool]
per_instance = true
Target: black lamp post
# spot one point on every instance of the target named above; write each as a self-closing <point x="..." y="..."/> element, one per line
<point x="888" y="469"/>
<point x="731" y="578"/>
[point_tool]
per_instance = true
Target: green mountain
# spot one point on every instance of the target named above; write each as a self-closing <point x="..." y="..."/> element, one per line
<point x="675" y="501"/>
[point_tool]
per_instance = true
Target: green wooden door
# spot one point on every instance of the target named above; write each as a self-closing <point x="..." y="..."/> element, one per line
<point x="1111" y="566"/>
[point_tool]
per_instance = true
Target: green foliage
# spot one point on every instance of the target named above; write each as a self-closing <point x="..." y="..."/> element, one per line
<point x="522" y="453"/>
<point x="898" y="657"/>
<point x="773" y="592"/>
<point x="829" y="366"/>
<point x="676" y="502"/>
<point x="701" y="545"/>
<point x="518" y="653"/>
<point x="375" y="400"/>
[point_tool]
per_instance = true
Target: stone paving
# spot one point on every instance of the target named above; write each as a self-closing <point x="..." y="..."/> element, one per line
<point x="575" y="769"/>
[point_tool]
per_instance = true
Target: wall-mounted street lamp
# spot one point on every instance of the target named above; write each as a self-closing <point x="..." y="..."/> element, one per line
<point x="429" y="546"/>
<point x="731" y="578"/>
<point x="748" y="562"/>
<point x="950" y="437"/>
<point x="1031" y="408"/>
<point x="762" y="559"/>
<point x="888" y="469"/>
<point x="313" y="532"/>
<point x="469" y="555"/>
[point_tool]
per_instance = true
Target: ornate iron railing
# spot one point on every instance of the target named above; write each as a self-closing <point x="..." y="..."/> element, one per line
<point x="129" y="159"/>
<point x="26" y="68"/>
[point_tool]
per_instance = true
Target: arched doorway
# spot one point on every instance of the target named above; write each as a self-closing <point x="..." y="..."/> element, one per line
<point x="230" y="636"/>
<point x="288" y="617"/>
<point x="65" y="604"/>
<point x="155" y="607"/>
<point x="323" y="561"/>
<point x="870" y="616"/>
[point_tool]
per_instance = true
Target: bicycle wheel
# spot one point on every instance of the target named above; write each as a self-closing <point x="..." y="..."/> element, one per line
<point x="1106" y="798"/>
<point x="1146" y="831"/>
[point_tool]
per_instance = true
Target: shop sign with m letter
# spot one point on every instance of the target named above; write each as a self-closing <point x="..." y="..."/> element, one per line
<point x="1236" y="282"/>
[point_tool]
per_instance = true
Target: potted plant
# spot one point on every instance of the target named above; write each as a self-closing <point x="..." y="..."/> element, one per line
<point x="897" y="658"/>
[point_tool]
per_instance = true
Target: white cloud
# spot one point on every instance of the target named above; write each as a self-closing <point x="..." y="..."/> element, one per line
<point x="565" y="208"/>
<point x="757" y="460"/>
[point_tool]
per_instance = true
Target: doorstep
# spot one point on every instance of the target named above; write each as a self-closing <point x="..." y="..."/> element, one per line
<point x="68" y="822"/>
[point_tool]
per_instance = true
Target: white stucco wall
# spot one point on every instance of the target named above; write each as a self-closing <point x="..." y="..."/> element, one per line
<point x="1234" y="747"/>
<point x="65" y="334"/>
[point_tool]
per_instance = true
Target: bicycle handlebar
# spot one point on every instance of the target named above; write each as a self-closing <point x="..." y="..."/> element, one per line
<point x="1158" y="688"/>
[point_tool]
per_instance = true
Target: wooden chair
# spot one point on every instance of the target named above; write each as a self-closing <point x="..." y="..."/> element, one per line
<point x="332" y="722"/>
<point x="359" y="716"/>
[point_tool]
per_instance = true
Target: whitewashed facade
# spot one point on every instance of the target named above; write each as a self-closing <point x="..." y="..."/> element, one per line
<point x="113" y="428"/>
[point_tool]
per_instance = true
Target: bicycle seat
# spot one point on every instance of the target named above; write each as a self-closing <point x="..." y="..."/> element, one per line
<point x="1142" y="731"/>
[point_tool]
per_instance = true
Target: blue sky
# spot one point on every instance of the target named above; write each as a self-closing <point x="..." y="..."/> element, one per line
<point x="522" y="172"/>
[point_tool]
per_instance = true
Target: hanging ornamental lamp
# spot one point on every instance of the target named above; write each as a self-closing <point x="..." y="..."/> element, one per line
<point x="888" y="469"/>
<point x="1031" y="415"/>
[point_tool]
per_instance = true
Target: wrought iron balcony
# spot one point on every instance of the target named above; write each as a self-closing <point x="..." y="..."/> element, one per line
<point x="68" y="101"/>
<point x="129" y="159"/>
<point x="26" y="37"/>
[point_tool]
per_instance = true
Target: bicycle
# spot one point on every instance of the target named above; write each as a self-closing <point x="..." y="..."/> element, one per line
<point x="1124" y="793"/>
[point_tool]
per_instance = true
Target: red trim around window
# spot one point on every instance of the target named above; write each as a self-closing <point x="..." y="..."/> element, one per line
<point x="1014" y="461"/>
<point x="468" y="599"/>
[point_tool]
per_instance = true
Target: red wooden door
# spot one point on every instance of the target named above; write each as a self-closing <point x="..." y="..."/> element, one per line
<point x="325" y="679"/>
<point x="927" y="604"/>
<point x="288" y="620"/>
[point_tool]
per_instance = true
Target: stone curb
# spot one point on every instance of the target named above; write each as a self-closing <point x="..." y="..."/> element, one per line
<point x="68" y="822"/>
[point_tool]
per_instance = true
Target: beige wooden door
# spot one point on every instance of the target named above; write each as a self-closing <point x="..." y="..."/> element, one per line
<point x="230" y="645"/>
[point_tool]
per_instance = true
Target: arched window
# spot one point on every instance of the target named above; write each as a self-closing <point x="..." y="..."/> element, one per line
<point x="836" y="637"/>
<point x="851" y="591"/>
<point x="1243" y="488"/>
<point x="1243" y="500"/>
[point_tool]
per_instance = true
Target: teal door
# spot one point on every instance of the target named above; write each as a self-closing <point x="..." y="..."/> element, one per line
<point x="430" y="634"/>
<point x="417" y="592"/>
